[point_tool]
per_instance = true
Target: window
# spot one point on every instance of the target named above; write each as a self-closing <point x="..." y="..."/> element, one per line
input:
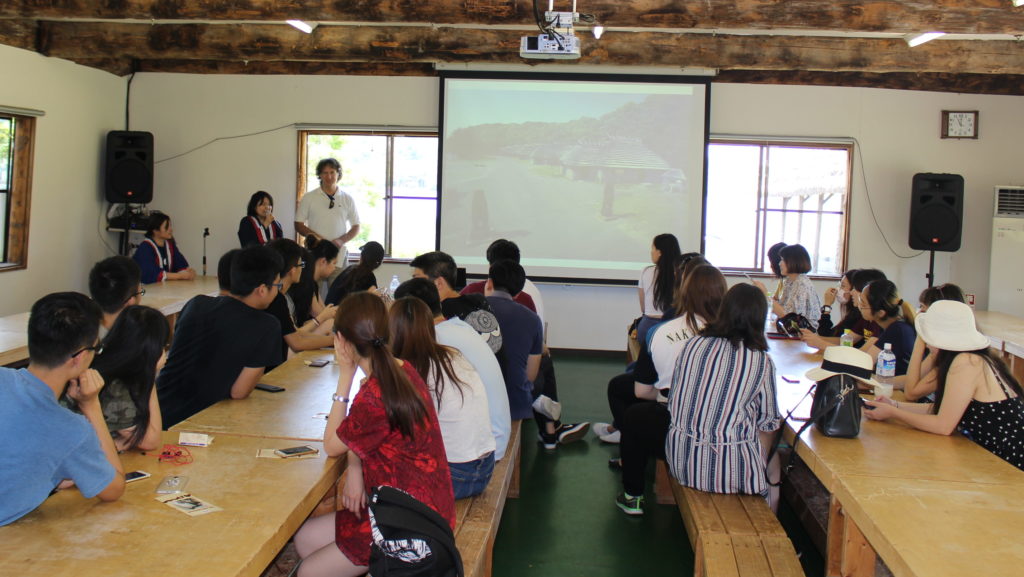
<point x="392" y="176"/>
<point x="764" y="192"/>
<point x="16" y="142"/>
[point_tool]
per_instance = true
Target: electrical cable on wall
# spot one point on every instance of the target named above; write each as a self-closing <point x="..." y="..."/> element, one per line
<point x="219" y="138"/>
<point x="871" y="207"/>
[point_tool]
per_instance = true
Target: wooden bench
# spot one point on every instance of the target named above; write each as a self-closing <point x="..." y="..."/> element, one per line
<point x="477" y="518"/>
<point x="734" y="535"/>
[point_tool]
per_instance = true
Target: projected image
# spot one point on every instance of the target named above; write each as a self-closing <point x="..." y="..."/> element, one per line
<point x="580" y="174"/>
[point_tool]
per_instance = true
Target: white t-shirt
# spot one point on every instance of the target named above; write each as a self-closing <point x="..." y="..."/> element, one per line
<point x="457" y="334"/>
<point x="666" y="342"/>
<point x="538" y="301"/>
<point x="647" y="285"/>
<point x="464" y="419"/>
<point x="329" y="223"/>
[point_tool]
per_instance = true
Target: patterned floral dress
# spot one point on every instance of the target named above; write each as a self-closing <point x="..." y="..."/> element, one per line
<point x="417" y="466"/>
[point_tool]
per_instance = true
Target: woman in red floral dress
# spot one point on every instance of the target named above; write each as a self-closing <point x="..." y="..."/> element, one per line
<point x="391" y="435"/>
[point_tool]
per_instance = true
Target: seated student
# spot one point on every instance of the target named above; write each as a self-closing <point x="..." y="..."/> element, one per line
<point x="321" y="257"/>
<point x="798" y="294"/>
<point x="455" y="333"/>
<point x="439" y="268"/>
<point x="722" y="402"/>
<point x="523" y="338"/>
<point x="222" y="344"/>
<point x="48" y="443"/>
<point x="503" y="249"/>
<point x="224" y="272"/>
<point x="357" y="277"/>
<point x="258" y="226"/>
<point x="313" y="334"/>
<point x="636" y="384"/>
<point x="458" y="395"/>
<point x="133" y="354"/>
<point x="158" y="256"/>
<point x="848" y="294"/>
<point x="921" y="375"/>
<point x="390" y="436"/>
<point x="881" y="303"/>
<point x="975" y="391"/>
<point x="114" y="283"/>
<point x="657" y="284"/>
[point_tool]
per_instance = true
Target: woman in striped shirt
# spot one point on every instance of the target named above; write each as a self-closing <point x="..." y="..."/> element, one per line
<point x="722" y="401"/>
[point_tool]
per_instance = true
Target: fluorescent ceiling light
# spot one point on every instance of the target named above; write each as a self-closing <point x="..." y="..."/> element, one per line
<point x="599" y="30"/>
<point x="919" y="39"/>
<point x="302" y="26"/>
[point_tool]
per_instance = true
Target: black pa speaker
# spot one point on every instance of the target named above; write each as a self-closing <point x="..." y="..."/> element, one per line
<point x="936" y="212"/>
<point x="129" y="176"/>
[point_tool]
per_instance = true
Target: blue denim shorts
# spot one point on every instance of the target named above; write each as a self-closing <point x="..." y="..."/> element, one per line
<point x="471" y="478"/>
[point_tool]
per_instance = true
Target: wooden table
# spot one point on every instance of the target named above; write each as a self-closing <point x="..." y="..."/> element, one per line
<point x="297" y="413"/>
<point x="168" y="297"/>
<point x="889" y="493"/>
<point x="264" y="501"/>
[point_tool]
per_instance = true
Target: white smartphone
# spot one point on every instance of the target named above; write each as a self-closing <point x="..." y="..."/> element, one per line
<point x="135" y="476"/>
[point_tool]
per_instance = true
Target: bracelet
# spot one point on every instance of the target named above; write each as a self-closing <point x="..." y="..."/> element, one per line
<point x="316" y="322"/>
<point x="338" y="398"/>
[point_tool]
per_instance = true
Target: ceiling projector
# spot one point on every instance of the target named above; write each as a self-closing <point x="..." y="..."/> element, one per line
<point x="550" y="46"/>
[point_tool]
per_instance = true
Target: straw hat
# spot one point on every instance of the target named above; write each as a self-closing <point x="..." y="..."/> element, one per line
<point x="949" y="325"/>
<point x="844" y="361"/>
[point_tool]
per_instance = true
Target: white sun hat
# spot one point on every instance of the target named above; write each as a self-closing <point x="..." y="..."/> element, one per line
<point x="949" y="325"/>
<point x="844" y="361"/>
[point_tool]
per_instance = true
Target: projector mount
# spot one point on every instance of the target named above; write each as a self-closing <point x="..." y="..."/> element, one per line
<point x="558" y="40"/>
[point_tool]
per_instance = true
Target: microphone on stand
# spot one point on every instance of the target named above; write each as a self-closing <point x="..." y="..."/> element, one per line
<point x="206" y="233"/>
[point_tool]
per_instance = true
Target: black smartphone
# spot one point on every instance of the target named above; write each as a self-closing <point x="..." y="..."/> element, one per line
<point x="320" y="363"/>
<point x="297" y="451"/>
<point x="269" y="388"/>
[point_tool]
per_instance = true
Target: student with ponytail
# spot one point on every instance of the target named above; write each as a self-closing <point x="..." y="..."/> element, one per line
<point x="320" y="257"/>
<point x="657" y="284"/>
<point x="881" y="302"/>
<point x="390" y="434"/>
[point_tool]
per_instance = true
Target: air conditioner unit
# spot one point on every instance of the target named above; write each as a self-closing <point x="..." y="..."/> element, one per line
<point x="1006" y="276"/>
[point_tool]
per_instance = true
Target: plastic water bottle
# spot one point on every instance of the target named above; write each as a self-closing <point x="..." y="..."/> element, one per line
<point x="885" y="368"/>
<point x="394" y="285"/>
<point x="847" y="339"/>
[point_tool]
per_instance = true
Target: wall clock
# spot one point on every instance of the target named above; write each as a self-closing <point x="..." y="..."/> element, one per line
<point x="960" y="124"/>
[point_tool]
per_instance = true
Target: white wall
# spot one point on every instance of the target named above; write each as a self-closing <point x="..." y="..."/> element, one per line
<point x="898" y="133"/>
<point x="81" y="105"/>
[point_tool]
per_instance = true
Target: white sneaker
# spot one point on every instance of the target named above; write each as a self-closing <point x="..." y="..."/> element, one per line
<point x="613" y="438"/>
<point x="549" y="408"/>
<point x="601" y="429"/>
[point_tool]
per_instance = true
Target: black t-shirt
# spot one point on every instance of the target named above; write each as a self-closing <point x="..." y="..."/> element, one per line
<point x="279" y="310"/>
<point x="352" y="279"/>
<point x="302" y="292"/>
<point x="215" y="338"/>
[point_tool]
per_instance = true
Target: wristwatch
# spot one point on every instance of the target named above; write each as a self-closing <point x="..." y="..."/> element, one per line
<point x="338" y="398"/>
<point x="826" y="309"/>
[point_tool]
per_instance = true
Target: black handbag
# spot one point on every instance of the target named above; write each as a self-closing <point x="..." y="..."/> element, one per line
<point x="835" y="410"/>
<point x="792" y="323"/>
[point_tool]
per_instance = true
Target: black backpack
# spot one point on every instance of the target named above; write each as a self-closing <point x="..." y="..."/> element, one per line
<point x="409" y="538"/>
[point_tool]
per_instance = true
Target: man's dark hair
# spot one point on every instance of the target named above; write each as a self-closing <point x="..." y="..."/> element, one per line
<point x="327" y="162"/>
<point x="113" y="281"/>
<point x="422" y="289"/>
<point x="60" y="325"/>
<point x="502" y="249"/>
<point x="508" y="276"/>
<point x="224" y="269"/>
<point x="436" y="265"/>
<point x="290" y="252"/>
<point x="252" y="267"/>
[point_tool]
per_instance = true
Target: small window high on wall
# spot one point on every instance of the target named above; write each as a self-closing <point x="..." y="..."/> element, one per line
<point x="16" y="145"/>
<point x="391" y="176"/>
<point x="764" y="192"/>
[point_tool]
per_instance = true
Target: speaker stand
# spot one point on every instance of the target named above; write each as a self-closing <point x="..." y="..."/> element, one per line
<point x="125" y="240"/>
<point x="931" y="269"/>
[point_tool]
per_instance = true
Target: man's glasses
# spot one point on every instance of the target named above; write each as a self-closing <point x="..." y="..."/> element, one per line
<point x="302" y="264"/>
<point x="279" y="285"/>
<point x="98" y="347"/>
<point x="141" y="293"/>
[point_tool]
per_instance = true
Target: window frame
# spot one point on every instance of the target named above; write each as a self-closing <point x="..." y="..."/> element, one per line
<point x="17" y="212"/>
<point x="761" y="246"/>
<point x="303" y="184"/>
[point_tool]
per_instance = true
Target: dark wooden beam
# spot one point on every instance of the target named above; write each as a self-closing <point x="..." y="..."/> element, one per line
<point x="249" y="43"/>
<point x="952" y="16"/>
<point x="124" y="67"/>
<point x="18" y="33"/>
<point x="1003" y="84"/>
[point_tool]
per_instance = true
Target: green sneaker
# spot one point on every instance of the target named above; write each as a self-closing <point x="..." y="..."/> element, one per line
<point x="630" y="505"/>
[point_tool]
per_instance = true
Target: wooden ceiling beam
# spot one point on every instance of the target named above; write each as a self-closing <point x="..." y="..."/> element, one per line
<point x="1002" y="84"/>
<point x="951" y="16"/>
<point x="19" y="33"/>
<point x="242" y="43"/>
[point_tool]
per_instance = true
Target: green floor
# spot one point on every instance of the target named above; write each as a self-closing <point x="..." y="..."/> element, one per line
<point x="565" y="522"/>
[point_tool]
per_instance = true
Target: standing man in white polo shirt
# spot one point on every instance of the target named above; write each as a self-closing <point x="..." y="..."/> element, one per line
<point x="328" y="212"/>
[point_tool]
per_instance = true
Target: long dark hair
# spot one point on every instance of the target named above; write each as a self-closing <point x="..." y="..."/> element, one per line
<point x="665" y="270"/>
<point x="362" y="320"/>
<point x="130" y="354"/>
<point x="321" y="249"/>
<point x="775" y="257"/>
<point x="882" y="296"/>
<point x="944" y="360"/>
<point x="254" y="201"/>
<point x="701" y="295"/>
<point x="942" y="292"/>
<point x="414" y="341"/>
<point x="741" y="318"/>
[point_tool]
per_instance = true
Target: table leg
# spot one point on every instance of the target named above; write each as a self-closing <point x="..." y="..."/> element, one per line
<point x="848" y="553"/>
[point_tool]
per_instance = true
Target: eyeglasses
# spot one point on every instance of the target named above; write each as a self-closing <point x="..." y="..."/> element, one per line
<point x="279" y="285"/>
<point x="98" y="347"/>
<point x="141" y="293"/>
<point x="302" y="264"/>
